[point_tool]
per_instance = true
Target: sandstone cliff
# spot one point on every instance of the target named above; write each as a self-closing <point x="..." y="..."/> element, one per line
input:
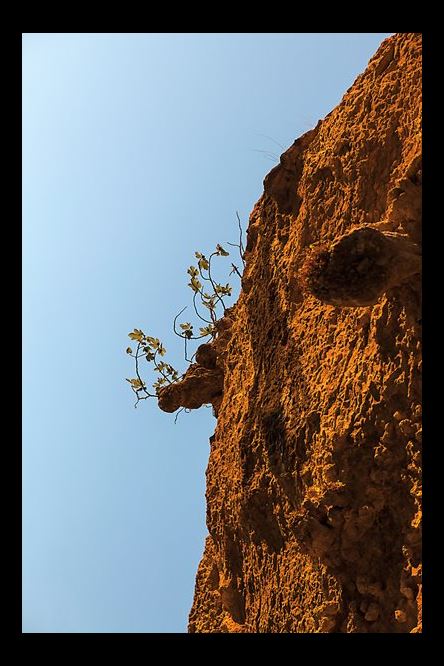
<point x="314" y="475"/>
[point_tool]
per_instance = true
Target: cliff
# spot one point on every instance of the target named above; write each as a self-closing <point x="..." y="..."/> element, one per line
<point x="314" y="475"/>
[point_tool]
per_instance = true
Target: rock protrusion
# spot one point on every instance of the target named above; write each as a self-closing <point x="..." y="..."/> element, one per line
<point x="200" y="386"/>
<point x="359" y="267"/>
<point x="206" y="356"/>
<point x="282" y="182"/>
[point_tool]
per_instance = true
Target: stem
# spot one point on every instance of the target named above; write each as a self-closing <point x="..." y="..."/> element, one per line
<point x="175" y="319"/>
<point x="235" y="270"/>
<point x="148" y="394"/>
<point x="241" y="244"/>
<point x="195" y="307"/>
<point x="161" y="371"/>
<point x="139" y="398"/>
<point x="202" y="275"/>
<point x="271" y="156"/>
<point x="142" y="383"/>
<point x="181" y="335"/>
<point x="188" y="360"/>
<point x="271" y="139"/>
<point x="180" y="410"/>
<point x="211" y="279"/>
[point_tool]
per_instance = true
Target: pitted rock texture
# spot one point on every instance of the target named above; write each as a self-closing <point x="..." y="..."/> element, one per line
<point x="199" y="386"/>
<point x="360" y="266"/>
<point x="203" y="382"/>
<point x="314" y="475"/>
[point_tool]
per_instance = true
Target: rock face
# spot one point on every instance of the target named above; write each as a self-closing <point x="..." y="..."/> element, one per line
<point x="314" y="476"/>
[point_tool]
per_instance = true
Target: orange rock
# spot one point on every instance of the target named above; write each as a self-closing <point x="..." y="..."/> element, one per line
<point x="314" y="476"/>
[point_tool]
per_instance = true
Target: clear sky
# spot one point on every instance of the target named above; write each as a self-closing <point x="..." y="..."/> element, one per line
<point x="137" y="151"/>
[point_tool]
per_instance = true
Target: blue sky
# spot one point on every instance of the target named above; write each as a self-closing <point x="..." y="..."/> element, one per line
<point x="137" y="151"/>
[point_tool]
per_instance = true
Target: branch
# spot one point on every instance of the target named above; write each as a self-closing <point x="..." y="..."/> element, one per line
<point x="188" y="360"/>
<point x="182" y="409"/>
<point x="211" y="279"/>
<point x="271" y="139"/>
<point x="142" y="383"/>
<point x="241" y="244"/>
<point x="160" y="370"/>
<point x="182" y="335"/>
<point x="195" y="307"/>
<point x="235" y="270"/>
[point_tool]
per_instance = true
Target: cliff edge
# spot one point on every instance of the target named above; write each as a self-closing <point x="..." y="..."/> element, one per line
<point x="314" y="475"/>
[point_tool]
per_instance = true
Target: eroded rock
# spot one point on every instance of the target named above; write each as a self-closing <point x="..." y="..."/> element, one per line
<point x="200" y="386"/>
<point x="360" y="266"/>
<point x="206" y="356"/>
<point x="314" y="475"/>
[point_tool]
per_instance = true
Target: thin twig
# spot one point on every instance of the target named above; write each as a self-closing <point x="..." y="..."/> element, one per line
<point x="271" y="139"/>
<point x="160" y="369"/>
<point x="175" y="319"/>
<point x="142" y="383"/>
<point x="182" y="335"/>
<point x="180" y="410"/>
<point x="188" y="360"/>
<point x="212" y="281"/>
<point x="235" y="270"/>
<point x="201" y="292"/>
<point x="241" y="244"/>
<point x="268" y="154"/>
<point x="139" y="398"/>
<point x="195" y="306"/>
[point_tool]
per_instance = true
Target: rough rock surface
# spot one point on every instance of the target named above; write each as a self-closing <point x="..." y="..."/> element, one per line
<point x="314" y="476"/>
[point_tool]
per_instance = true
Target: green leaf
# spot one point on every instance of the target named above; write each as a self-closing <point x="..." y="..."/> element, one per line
<point x="226" y="291"/>
<point x="162" y="350"/>
<point x="137" y="334"/>
<point x="136" y="383"/>
<point x="220" y="251"/>
<point x="149" y="356"/>
<point x="207" y="330"/>
<point x="203" y="264"/>
<point x="153" y="342"/>
<point x="186" y="326"/>
<point x="210" y="304"/>
<point x="129" y="350"/>
<point x="193" y="271"/>
<point x="195" y="284"/>
<point x="198" y="255"/>
<point x="158" y="385"/>
<point x="223" y="290"/>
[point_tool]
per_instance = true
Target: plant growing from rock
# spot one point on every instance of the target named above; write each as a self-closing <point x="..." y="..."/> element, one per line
<point x="208" y="294"/>
<point x="150" y="349"/>
<point x="208" y="304"/>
